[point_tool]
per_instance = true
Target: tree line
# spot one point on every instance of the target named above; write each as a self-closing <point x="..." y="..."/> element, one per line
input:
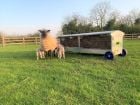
<point x="103" y="18"/>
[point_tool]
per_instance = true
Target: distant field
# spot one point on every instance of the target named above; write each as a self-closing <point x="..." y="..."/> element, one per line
<point x="77" y="80"/>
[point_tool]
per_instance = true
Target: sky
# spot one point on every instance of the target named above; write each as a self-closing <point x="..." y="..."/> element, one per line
<point x="27" y="16"/>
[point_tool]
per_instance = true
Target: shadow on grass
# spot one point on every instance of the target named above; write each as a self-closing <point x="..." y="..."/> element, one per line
<point x="31" y="55"/>
<point x="84" y="55"/>
<point x="18" y="55"/>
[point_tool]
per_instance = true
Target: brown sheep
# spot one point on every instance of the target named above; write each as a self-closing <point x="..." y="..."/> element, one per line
<point x="51" y="45"/>
<point x="48" y="42"/>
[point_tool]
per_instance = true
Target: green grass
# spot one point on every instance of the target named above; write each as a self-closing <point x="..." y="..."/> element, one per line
<point x="77" y="80"/>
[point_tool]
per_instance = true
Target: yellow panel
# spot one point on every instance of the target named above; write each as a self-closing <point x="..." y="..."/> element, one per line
<point x="117" y="42"/>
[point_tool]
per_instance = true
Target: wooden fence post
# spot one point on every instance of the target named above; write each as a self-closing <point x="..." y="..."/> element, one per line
<point x="132" y="36"/>
<point x="36" y="40"/>
<point x="3" y="41"/>
<point x="23" y="41"/>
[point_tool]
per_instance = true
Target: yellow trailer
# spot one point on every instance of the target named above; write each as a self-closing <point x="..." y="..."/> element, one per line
<point x="108" y="43"/>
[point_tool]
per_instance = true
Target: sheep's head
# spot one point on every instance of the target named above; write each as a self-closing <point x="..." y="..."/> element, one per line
<point x="44" y="33"/>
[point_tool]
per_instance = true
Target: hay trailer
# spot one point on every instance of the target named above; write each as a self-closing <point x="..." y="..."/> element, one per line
<point x="107" y="43"/>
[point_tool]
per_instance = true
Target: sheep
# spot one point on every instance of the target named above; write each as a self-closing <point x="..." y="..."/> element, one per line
<point x="60" y="51"/>
<point x="40" y="53"/>
<point x="48" y="42"/>
<point x="51" y="45"/>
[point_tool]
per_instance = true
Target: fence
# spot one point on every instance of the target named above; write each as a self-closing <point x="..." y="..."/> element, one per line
<point x="6" y="40"/>
<point x="132" y="36"/>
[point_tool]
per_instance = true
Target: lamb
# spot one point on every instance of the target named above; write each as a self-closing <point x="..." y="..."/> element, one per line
<point x="60" y="51"/>
<point x="40" y="53"/>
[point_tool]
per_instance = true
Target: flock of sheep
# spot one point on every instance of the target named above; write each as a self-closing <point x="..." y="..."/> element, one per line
<point x="50" y="44"/>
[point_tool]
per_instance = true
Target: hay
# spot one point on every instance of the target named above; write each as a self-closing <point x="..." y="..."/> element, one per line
<point x="98" y="42"/>
<point x="69" y="41"/>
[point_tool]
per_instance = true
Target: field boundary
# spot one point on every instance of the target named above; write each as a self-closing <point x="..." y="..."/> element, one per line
<point x="132" y="36"/>
<point x="6" y="40"/>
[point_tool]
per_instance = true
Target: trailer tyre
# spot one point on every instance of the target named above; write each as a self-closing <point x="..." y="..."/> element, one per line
<point x="109" y="55"/>
<point x="124" y="53"/>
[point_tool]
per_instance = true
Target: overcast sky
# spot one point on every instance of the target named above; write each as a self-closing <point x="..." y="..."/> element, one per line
<point x="27" y="16"/>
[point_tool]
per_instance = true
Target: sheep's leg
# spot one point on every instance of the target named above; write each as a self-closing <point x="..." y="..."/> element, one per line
<point x="54" y="52"/>
<point x="47" y="53"/>
<point x="51" y="53"/>
<point x="63" y="54"/>
<point x="37" y="55"/>
<point x="43" y="54"/>
<point x="59" y="55"/>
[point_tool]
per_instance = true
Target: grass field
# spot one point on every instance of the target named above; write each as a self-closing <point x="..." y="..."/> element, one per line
<point x="77" y="80"/>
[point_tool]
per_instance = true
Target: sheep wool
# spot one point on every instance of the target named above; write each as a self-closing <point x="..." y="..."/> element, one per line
<point x="49" y="43"/>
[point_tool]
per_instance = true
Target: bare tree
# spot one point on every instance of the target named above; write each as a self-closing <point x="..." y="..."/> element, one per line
<point x="125" y="20"/>
<point x="131" y="17"/>
<point x="99" y="13"/>
<point x="79" y="18"/>
<point x="115" y="14"/>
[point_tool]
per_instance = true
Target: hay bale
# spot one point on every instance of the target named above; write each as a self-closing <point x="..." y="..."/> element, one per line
<point x="69" y="41"/>
<point x="98" y="42"/>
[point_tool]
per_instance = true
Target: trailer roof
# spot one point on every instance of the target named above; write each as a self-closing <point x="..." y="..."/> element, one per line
<point x="87" y="34"/>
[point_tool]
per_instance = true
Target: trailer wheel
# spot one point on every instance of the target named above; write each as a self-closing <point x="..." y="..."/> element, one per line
<point x="124" y="53"/>
<point x="109" y="55"/>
